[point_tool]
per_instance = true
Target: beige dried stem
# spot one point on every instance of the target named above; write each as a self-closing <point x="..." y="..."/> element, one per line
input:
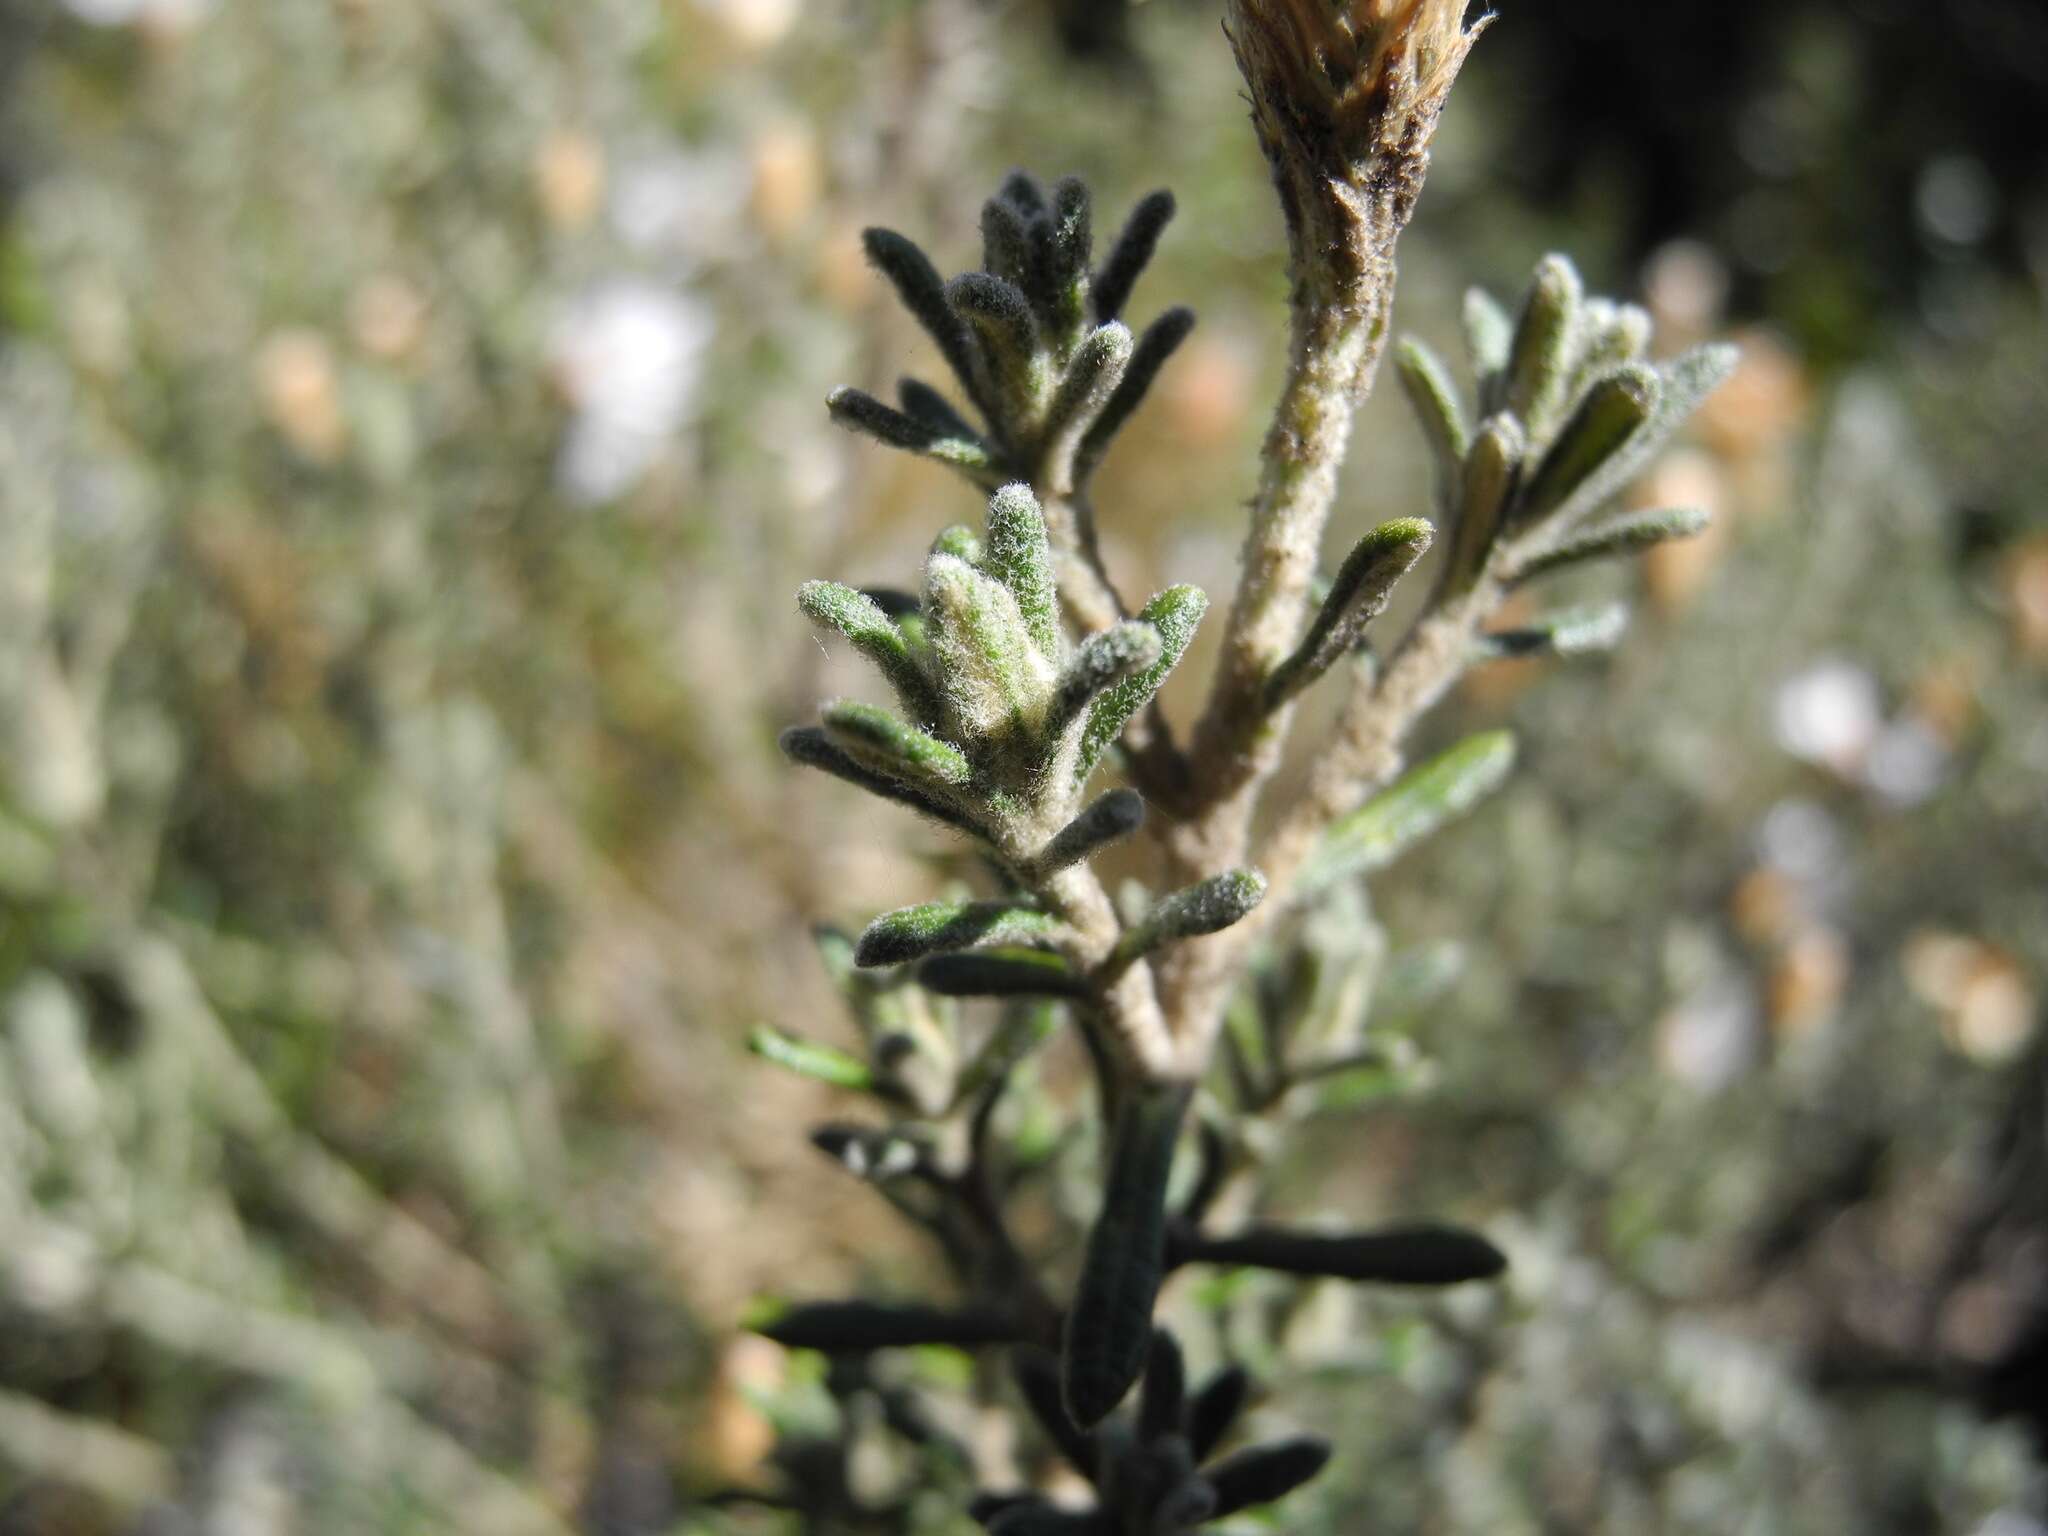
<point x="1345" y="98"/>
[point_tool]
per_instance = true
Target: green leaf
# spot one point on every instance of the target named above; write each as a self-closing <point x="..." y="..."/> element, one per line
<point x="1208" y="906"/>
<point x="1427" y="383"/>
<point x="1421" y="1254"/>
<point x="1111" y="818"/>
<point x="918" y="285"/>
<point x="1089" y="384"/>
<point x="1175" y="613"/>
<point x="870" y="630"/>
<point x="856" y="1327"/>
<point x="1264" y="1473"/>
<point x="959" y="541"/>
<point x="999" y="315"/>
<point x="861" y="412"/>
<point x="1610" y="336"/>
<point x="1410" y="809"/>
<point x="1539" y="361"/>
<point x="1619" y="536"/>
<point x="1612" y="411"/>
<point x="1007" y="247"/>
<point x="1685" y="382"/>
<point x="807" y="1058"/>
<point x="1018" y="555"/>
<point x="1215" y="1408"/>
<point x="814" y="749"/>
<point x="910" y="933"/>
<point x="1492" y="469"/>
<point x="1165" y="1394"/>
<point x="1159" y="342"/>
<point x="1106" y="658"/>
<point x="1021" y="190"/>
<point x="1358" y="595"/>
<point x="1130" y="255"/>
<point x="920" y="401"/>
<point x="1567" y="632"/>
<point x="1000" y="973"/>
<point x="992" y="676"/>
<point x="1069" y="245"/>
<point x="1489" y="333"/>
<point x="1109" y="1326"/>
<point x="878" y="740"/>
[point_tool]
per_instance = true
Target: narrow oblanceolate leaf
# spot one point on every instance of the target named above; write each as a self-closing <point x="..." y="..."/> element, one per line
<point x="1539" y="359"/>
<point x="810" y="746"/>
<point x="1110" y="818"/>
<point x="1000" y="317"/>
<point x="1567" y="632"/>
<point x="923" y="292"/>
<point x="1175" y="614"/>
<point x="1021" y="189"/>
<point x="1165" y="1389"/>
<point x="1208" y="906"/>
<point x="1427" y="383"/>
<point x="1411" y="809"/>
<point x="992" y="674"/>
<point x="1492" y="469"/>
<point x="1130" y="255"/>
<point x="807" y="1058"/>
<point x="1018" y="555"/>
<point x="1069" y="245"/>
<point x="1489" y="330"/>
<point x="855" y="1327"/>
<point x="1160" y="340"/>
<point x="1613" y="410"/>
<point x="1215" y="1408"/>
<point x="1685" y="381"/>
<point x="860" y="411"/>
<point x="1422" y="1254"/>
<point x="928" y="405"/>
<point x="910" y="933"/>
<point x="869" y="630"/>
<point x="1007" y="247"/>
<point x="1263" y="1473"/>
<point x="879" y="740"/>
<point x="1106" y="658"/>
<point x="1000" y="973"/>
<point x="1358" y="594"/>
<point x="1090" y="382"/>
<point x="1612" y="335"/>
<point x="1109" y="1326"/>
<point x="1627" y="535"/>
<point x="959" y="541"/>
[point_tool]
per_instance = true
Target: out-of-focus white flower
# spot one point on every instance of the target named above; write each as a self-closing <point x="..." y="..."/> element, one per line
<point x="175" y="15"/>
<point x="630" y="356"/>
<point x="1709" y="1039"/>
<point x="1829" y="713"/>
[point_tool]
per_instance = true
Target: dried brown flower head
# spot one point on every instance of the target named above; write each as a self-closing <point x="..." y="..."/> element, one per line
<point x="1345" y="94"/>
<point x="1354" y="60"/>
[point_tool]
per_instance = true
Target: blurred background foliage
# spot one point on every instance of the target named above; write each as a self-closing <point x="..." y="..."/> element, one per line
<point x="410" y="437"/>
